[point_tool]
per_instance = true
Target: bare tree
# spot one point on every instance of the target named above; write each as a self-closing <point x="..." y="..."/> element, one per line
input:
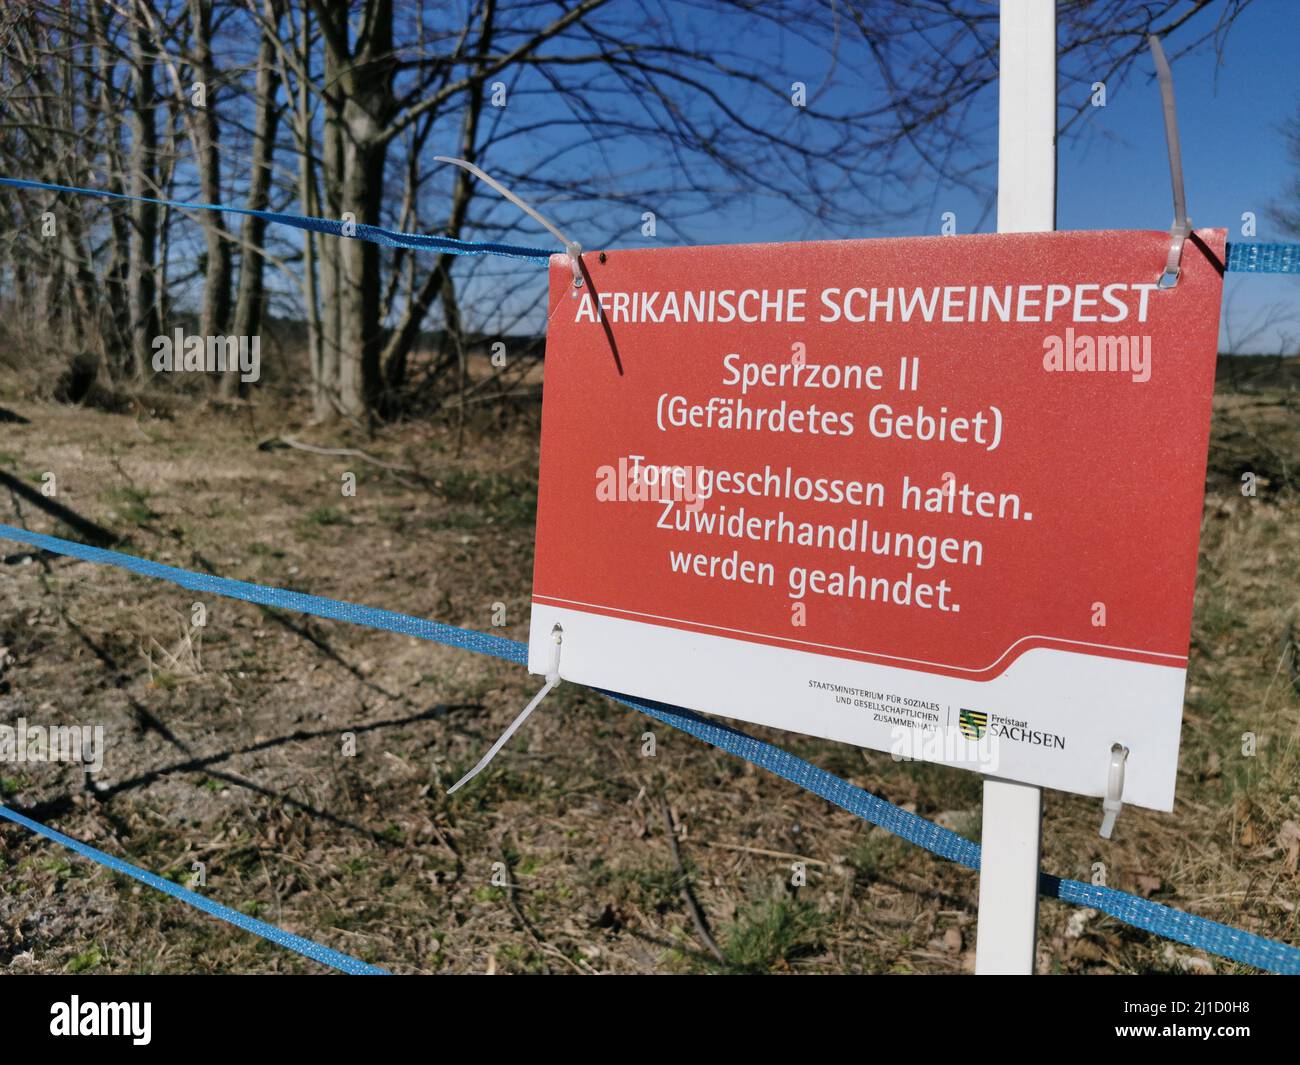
<point x="207" y="136"/>
<point x="250" y="302"/>
<point x="1286" y="211"/>
<point x="143" y="182"/>
<point x="835" y="116"/>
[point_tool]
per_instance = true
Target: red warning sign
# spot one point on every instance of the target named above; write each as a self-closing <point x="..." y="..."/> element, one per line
<point x="937" y="496"/>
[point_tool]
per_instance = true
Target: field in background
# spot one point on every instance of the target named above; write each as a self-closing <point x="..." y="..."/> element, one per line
<point x="225" y="748"/>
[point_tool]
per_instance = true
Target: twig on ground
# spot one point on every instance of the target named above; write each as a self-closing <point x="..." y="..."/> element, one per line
<point x="347" y="452"/>
<point x="761" y="851"/>
<point x="701" y="926"/>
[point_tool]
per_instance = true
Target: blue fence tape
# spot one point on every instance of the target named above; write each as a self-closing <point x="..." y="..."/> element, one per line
<point x="911" y="827"/>
<point x="1263" y="258"/>
<point x="1200" y="932"/>
<point x="1141" y="913"/>
<point x="281" y="598"/>
<point x="333" y="958"/>
<point x="1240" y="258"/>
<point x="1165" y="921"/>
<point x="392" y="238"/>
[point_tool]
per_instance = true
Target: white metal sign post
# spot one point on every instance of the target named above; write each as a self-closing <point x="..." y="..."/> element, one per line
<point x="1012" y="815"/>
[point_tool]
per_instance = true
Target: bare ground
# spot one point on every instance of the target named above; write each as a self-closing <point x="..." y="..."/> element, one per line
<point x="224" y="745"/>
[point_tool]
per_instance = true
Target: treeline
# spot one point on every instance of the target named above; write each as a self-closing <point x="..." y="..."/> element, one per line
<point x="628" y="121"/>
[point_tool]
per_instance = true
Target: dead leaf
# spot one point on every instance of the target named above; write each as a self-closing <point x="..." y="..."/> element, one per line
<point x="1289" y="840"/>
<point x="1148" y="885"/>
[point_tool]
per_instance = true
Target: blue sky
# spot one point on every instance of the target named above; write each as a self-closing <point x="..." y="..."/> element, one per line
<point x="1113" y="170"/>
<point x="1115" y="174"/>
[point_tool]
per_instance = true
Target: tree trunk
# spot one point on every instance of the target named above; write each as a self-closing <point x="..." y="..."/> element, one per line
<point x="117" y="315"/>
<point x="250" y="300"/>
<point x="358" y="116"/>
<point x="322" y="407"/>
<point x="360" y="337"/>
<point x="327" y="382"/>
<point x="215" y="316"/>
<point x="141" y="281"/>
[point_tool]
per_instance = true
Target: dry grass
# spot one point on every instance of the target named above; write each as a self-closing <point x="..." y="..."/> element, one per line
<point x="225" y="748"/>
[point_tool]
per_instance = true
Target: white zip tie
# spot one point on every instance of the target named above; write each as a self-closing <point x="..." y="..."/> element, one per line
<point x="1182" y="226"/>
<point x="1113" y="803"/>
<point x="571" y="247"/>
<point x="552" y="679"/>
